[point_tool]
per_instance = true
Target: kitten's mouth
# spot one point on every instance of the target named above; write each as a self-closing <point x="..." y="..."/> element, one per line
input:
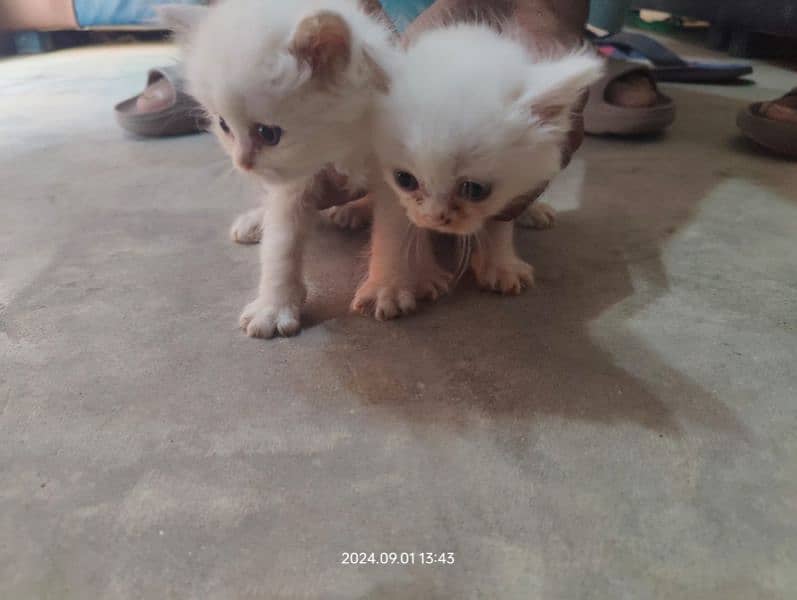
<point x="447" y="229"/>
<point x="454" y="228"/>
<point x="269" y="173"/>
<point x="257" y="171"/>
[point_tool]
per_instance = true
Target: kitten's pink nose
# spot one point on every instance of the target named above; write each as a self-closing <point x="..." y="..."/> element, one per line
<point x="245" y="157"/>
<point x="443" y="218"/>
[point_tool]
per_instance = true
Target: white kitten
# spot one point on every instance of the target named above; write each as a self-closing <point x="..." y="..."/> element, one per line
<point x="289" y="86"/>
<point x="473" y="121"/>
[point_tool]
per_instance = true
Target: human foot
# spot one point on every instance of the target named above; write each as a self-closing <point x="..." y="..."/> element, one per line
<point x="633" y="90"/>
<point x="783" y="109"/>
<point x="157" y="96"/>
<point x="772" y="124"/>
<point x="625" y="101"/>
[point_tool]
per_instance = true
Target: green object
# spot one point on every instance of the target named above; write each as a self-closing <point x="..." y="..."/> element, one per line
<point x="608" y="15"/>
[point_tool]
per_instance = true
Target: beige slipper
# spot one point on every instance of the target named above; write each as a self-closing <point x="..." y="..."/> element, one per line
<point x="602" y="117"/>
<point x="162" y="109"/>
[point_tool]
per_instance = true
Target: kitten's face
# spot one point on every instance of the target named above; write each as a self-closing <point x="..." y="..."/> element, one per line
<point x="278" y="137"/>
<point x="276" y="83"/>
<point x="472" y="123"/>
<point x="453" y="184"/>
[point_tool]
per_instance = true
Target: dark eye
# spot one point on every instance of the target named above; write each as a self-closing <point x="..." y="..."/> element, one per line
<point x="224" y="127"/>
<point x="406" y="181"/>
<point x="473" y="191"/>
<point x="270" y="134"/>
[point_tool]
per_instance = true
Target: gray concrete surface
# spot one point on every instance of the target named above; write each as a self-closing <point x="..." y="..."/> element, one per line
<point x="626" y="430"/>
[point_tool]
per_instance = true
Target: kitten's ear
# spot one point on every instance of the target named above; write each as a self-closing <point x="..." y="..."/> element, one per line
<point x="557" y="85"/>
<point x="180" y="18"/>
<point x="379" y="77"/>
<point x="323" y="41"/>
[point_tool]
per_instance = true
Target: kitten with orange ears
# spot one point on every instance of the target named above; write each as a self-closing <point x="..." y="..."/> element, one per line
<point x="473" y="122"/>
<point x="289" y="87"/>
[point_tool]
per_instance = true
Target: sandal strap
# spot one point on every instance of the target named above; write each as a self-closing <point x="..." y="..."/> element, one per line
<point x="170" y="74"/>
<point x="655" y="52"/>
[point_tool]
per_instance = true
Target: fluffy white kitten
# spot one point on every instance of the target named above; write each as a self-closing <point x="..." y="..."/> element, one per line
<point x="289" y="86"/>
<point x="473" y="121"/>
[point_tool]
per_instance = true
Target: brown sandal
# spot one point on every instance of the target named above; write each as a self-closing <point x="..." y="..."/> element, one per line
<point x="162" y="109"/>
<point x="778" y="136"/>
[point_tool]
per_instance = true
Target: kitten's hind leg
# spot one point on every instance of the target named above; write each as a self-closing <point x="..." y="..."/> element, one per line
<point x="352" y="215"/>
<point x="537" y="215"/>
<point x="248" y="227"/>
<point x="495" y="263"/>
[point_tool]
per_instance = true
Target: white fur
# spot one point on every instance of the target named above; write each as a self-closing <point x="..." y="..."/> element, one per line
<point x="239" y="66"/>
<point x="539" y="215"/>
<point x="248" y="227"/>
<point x="468" y="103"/>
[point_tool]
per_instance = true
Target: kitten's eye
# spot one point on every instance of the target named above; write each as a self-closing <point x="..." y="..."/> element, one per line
<point x="224" y="127"/>
<point x="270" y="135"/>
<point x="406" y="181"/>
<point x="473" y="191"/>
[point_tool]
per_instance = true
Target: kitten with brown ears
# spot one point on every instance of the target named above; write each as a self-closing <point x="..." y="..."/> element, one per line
<point x="289" y="87"/>
<point x="473" y="122"/>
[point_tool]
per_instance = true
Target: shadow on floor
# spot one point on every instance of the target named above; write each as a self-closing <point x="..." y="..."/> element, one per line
<point x="513" y="359"/>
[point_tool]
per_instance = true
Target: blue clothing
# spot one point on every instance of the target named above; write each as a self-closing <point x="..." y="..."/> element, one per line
<point x="606" y="14"/>
<point x="92" y="13"/>
<point x="403" y="12"/>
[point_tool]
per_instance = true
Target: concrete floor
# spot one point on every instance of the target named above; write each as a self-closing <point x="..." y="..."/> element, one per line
<point x="624" y="430"/>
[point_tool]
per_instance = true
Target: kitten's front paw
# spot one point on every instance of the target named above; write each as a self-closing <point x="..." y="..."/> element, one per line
<point x="354" y="215"/>
<point x="538" y="215"/>
<point x="433" y="283"/>
<point x="509" y="277"/>
<point x="383" y="299"/>
<point x="261" y="319"/>
<point x="248" y="227"/>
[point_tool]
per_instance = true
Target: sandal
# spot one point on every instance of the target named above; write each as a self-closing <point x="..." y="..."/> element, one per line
<point x="666" y="64"/>
<point x="776" y="135"/>
<point x="603" y="117"/>
<point x="162" y="109"/>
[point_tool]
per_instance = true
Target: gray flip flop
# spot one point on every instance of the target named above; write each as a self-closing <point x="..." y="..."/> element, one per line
<point x="778" y="136"/>
<point x="180" y="115"/>
<point x="602" y="117"/>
